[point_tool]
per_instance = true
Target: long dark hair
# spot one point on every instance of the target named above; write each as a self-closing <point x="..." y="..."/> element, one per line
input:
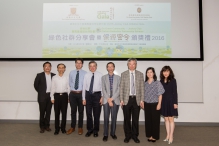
<point x="170" y="77"/>
<point x="153" y="70"/>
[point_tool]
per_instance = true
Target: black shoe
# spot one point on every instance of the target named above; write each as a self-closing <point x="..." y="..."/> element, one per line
<point x="63" y="131"/>
<point x="42" y="130"/>
<point x="48" y="129"/>
<point x="95" y="134"/>
<point x="136" y="140"/>
<point x="126" y="140"/>
<point x="88" y="133"/>
<point x="153" y="140"/>
<point x="114" y="137"/>
<point x="105" y="138"/>
<point x="56" y="132"/>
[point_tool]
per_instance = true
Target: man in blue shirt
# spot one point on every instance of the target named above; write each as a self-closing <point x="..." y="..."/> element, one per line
<point x="76" y="78"/>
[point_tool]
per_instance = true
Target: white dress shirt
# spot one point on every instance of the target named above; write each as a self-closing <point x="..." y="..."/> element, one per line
<point x="130" y="74"/>
<point x="59" y="85"/>
<point x="48" y="82"/>
<point x="97" y="86"/>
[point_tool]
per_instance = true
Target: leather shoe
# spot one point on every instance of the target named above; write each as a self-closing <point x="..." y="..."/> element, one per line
<point x="70" y="131"/>
<point x="136" y="140"/>
<point x="114" y="137"/>
<point x="56" y="132"/>
<point x="48" y="129"/>
<point x="151" y="140"/>
<point x="42" y="130"/>
<point x="88" y="133"/>
<point x="126" y="140"/>
<point x="64" y="131"/>
<point x="80" y="131"/>
<point x="105" y="138"/>
<point x="95" y="134"/>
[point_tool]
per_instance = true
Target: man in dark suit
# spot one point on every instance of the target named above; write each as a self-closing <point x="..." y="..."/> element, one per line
<point x="131" y="98"/>
<point x="42" y="85"/>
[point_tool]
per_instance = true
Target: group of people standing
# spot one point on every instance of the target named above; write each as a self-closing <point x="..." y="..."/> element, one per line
<point x="92" y="90"/>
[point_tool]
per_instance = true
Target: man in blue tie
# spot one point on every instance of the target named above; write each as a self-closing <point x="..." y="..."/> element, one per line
<point x="76" y="78"/>
<point x="92" y="98"/>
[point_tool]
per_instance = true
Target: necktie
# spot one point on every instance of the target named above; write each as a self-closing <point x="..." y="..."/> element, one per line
<point x="132" y="84"/>
<point x="77" y="80"/>
<point x="111" y="85"/>
<point x="91" y="84"/>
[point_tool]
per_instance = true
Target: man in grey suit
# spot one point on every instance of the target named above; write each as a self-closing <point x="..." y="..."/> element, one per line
<point x="131" y="98"/>
<point x="110" y="91"/>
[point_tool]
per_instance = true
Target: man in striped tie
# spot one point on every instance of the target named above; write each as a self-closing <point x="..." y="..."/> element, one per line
<point x="131" y="98"/>
<point x="76" y="78"/>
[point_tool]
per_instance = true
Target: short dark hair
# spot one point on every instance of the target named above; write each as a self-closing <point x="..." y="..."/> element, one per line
<point x="79" y="59"/>
<point x="92" y="61"/>
<point x="61" y="64"/>
<point x="170" y="77"/>
<point x="153" y="70"/>
<point x="110" y="63"/>
<point x="47" y="63"/>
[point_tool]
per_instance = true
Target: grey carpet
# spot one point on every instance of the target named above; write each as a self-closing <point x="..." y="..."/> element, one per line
<point x="28" y="135"/>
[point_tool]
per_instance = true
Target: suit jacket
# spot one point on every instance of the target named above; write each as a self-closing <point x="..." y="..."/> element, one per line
<point x="40" y="86"/>
<point x="106" y="88"/>
<point x="125" y="86"/>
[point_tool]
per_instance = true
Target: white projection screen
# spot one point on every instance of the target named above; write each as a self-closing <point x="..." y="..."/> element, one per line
<point x="64" y="29"/>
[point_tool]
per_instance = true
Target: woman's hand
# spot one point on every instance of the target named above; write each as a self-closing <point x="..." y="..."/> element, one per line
<point x="158" y="106"/>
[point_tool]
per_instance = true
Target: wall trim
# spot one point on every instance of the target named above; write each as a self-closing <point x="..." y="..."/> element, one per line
<point x="9" y="121"/>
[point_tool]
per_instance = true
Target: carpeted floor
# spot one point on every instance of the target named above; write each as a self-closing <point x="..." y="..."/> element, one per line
<point x="28" y="135"/>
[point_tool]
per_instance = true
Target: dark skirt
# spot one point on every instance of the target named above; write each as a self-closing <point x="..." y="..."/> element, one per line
<point x="167" y="107"/>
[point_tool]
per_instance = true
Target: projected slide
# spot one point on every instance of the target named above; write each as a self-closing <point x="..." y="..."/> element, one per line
<point x="107" y="30"/>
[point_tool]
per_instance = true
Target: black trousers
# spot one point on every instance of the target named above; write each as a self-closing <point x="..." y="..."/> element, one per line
<point x="45" y="112"/>
<point x="131" y="111"/>
<point x="152" y="120"/>
<point x="93" y="105"/>
<point x="60" y="105"/>
<point x="76" y="104"/>
<point x="114" y="111"/>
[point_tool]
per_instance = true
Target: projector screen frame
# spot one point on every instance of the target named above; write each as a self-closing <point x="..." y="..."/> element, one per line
<point x="201" y="58"/>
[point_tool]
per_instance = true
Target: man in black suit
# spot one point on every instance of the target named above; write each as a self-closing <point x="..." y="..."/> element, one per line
<point x="42" y="85"/>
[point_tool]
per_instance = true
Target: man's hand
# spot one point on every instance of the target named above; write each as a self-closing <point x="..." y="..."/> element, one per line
<point x="142" y="104"/>
<point x="110" y="104"/>
<point x="101" y="101"/>
<point x="109" y="100"/>
<point x="52" y="101"/>
<point x="121" y="104"/>
<point x="84" y="102"/>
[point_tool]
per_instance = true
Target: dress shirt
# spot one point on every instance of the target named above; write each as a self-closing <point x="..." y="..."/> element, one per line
<point x="111" y="84"/>
<point x="153" y="91"/>
<point x="130" y="74"/>
<point x="59" y="85"/>
<point x="72" y="77"/>
<point x="48" y="82"/>
<point x="97" y="82"/>
<point x="111" y="81"/>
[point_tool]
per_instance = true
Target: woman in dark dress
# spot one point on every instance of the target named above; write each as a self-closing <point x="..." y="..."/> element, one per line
<point x="169" y="102"/>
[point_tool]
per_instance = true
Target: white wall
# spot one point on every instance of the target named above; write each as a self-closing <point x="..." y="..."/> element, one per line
<point x="188" y="112"/>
